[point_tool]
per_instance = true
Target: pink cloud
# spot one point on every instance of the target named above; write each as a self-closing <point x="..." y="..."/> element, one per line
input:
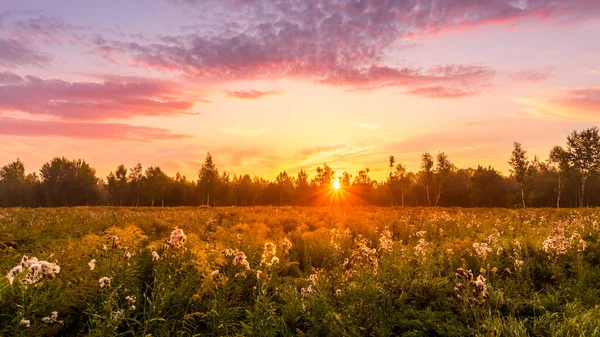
<point x="119" y="98"/>
<point x="340" y="43"/>
<point x="442" y="92"/>
<point x="529" y="76"/>
<point x="568" y="103"/>
<point x="14" y="53"/>
<point x="107" y="131"/>
<point x="251" y="94"/>
<point x="42" y="28"/>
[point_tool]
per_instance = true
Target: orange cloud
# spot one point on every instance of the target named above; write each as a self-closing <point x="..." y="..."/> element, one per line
<point x="108" y="131"/>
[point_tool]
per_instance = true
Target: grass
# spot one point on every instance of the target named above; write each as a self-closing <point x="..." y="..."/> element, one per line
<point x="331" y="272"/>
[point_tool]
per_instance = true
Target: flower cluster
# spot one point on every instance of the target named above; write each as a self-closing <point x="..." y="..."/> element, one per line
<point x="470" y="288"/>
<point x="268" y="257"/>
<point x="36" y="270"/>
<point x="239" y="258"/>
<point x="386" y="244"/>
<point x="558" y="244"/>
<point x="286" y="245"/>
<point x="177" y="238"/>
<point x="104" y="282"/>
<point x="131" y="301"/>
<point x="363" y="255"/>
<point x="482" y="250"/>
<point x="421" y="248"/>
<point x="52" y="319"/>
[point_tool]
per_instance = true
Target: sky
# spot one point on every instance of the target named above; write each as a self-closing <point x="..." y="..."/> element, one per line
<point x="273" y="85"/>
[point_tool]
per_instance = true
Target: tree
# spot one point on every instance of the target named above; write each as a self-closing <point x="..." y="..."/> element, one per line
<point x="401" y="181"/>
<point x="121" y="183"/>
<point x="519" y="167"/>
<point x="208" y="178"/>
<point x="324" y="176"/>
<point x="156" y="182"/>
<point x="443" y="170"/>
<point x="583" y="150"/>
<point x="135" y="183"/>
<point x="392" y="161"/>
<point x="67" y="182"/>
<point x="16" y="189"/>
<point x="111" y="187"/>
<point x="560" y="159"/>
<point x="285" y="186"/>
<point x="487" y="188"/>
<point x="427" y="173"/>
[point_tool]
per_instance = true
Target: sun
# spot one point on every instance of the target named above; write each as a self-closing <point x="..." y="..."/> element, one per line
<point x="336" y="184"/>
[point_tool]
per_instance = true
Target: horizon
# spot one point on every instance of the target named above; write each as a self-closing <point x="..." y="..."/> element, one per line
<point x="267" y="87"/>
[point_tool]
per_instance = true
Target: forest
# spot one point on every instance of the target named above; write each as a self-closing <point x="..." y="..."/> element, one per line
<point x="570" y="177"/>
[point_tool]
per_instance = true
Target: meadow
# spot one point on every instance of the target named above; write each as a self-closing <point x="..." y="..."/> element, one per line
<point x="283" y="271"/>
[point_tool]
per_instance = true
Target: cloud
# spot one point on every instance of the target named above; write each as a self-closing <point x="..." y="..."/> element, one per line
<point x="9" y="78"/>
<point x="115" y="97"/>
<point x="334" y="42"/>
<point x="251" y="94"/>
<point x="108" y="131"/>
<point x="529" y="76"/>
<point x="312" y="150"/>
<point x="14" y="53"/>
<point x="443" y="92"/>
<point x="239" y="130"/>
<point x="569" y="103"/>
<point x="42" y="28"/>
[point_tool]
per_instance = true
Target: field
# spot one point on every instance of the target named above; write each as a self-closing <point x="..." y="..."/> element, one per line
<point x="299" y="271"/>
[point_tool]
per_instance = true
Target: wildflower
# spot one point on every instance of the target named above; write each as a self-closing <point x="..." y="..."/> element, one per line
<point x="36" y="270"/>
<point x="131" y="301"/>
<point x="420" y="234"/>
<point x="11" y="274"/>
<point x="177" y="238"/>
<point x="92" y="264"/>
<point x="25" y="322"/>
<point x="518" y="263"/>
<point x="385" y="241"/>
<point x="482" y="250"/>
<point x="338" y="292"/>
<point x="422" y="247"/>
<point x="104" y="282"/>
<point x="274" y="260"/>
<point x="128" y="255"/>
<point x="52" y="319"/>
<point x="155" y="256"/>
<point x="240" y="258"/>
<point x="286" y="245"/>
<point x="116" y="315"/>
<point x="259" y="274"/>
<point x="313" y="278"/>
<point x="268" y="253"/>
<point x="214" y="273"/>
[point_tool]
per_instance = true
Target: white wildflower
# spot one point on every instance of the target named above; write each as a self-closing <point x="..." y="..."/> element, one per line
<point x="92" y="264"/>
<point x="177" y="238"/>
<point x="104" y="282"/>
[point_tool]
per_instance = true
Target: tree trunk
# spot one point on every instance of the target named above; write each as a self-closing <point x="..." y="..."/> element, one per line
<point x="428" y="200"/>
<point x="402" y="195"/>
<point x="559" y="192"/>
<point x="439" y="194"/>
<point x="523" y="195"/>
<point x="581" y="199"/>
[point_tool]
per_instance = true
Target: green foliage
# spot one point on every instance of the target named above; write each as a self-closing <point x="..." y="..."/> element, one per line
<point x="306" y="272"/>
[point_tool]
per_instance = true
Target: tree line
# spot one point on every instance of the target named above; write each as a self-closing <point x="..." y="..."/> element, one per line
<point x="570" y="177"/>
